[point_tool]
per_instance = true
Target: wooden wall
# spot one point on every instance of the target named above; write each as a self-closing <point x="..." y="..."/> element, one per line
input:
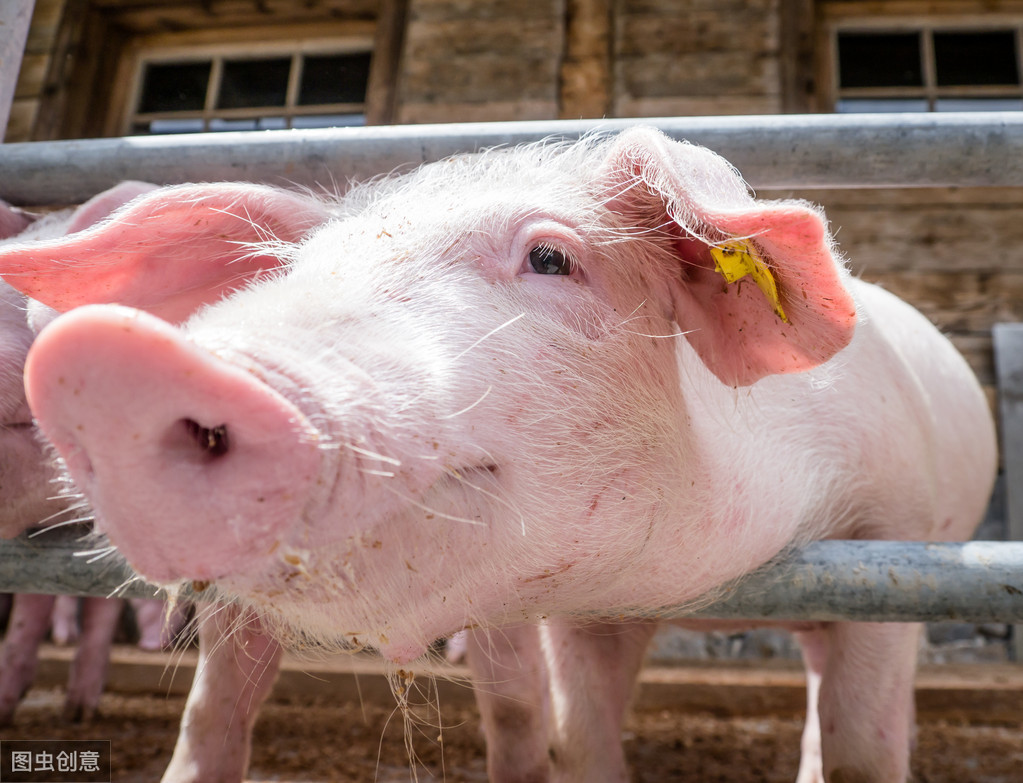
<point x="42" y="35"/>
<point x="491" y="60"/>
<point x="953" y="253"/>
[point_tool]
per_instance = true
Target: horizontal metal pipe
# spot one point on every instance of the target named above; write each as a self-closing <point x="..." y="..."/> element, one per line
<point x="882" y="581"/>
<point x="772" y="152"/>
<point x="56" y="562"/>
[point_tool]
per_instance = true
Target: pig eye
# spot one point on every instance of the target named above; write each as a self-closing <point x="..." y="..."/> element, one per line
<point x="550" y="260"/>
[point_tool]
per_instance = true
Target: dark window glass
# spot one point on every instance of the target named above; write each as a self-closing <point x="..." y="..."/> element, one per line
<point x="175" y="87"/>
<point x="334" y="78"/>
<point x="246" y="84"/>
<point x="879" y="60"/>
<point x="976" y="58"/>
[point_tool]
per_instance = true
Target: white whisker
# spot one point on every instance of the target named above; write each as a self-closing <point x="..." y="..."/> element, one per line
<point x="489" y="334"/>
<point x="373" y="455"/>
<point x="383" y="473"/>
<point x="434" y="511"/>
<point x="471" y="406"/>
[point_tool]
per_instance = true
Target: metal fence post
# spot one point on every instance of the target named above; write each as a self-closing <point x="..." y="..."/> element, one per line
<point x="15" y="16"/>
<point x="1008" y="345"/>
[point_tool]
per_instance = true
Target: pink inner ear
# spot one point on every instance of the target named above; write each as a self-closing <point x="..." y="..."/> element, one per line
<point x="106" y="203"/>
<point x="168" y="253"/>
<point x="734" y="327"/>
<point x="12" y="220"/>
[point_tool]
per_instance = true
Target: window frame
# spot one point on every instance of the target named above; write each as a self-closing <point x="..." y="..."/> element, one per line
<point x="257" y="43"/>
<point x="925" y="26"/>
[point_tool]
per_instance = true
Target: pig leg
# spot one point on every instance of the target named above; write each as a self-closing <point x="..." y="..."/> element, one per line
<point x="238" y="664"/>
<point x="865" y="706"/>
<point x="64" y="620"/>
<point x="89" y="668"/>
<point x="510" y="680"/>
<point x="815" y="655"/>
<point x="158" y="626"/>
<point x="28" y="623"/>
<point x="592" y="670"/>
<point x="553" y="698"/>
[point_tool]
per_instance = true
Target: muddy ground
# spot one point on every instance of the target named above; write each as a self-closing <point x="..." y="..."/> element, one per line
<point x="315" y="740"/>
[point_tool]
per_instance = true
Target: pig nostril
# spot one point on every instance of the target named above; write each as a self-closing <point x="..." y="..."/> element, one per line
<point x="211" y="440"/>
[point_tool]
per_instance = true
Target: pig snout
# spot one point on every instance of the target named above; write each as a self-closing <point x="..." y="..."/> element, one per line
<point x="132" y="405"/>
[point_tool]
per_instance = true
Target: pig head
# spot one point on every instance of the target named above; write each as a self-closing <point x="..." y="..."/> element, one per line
<point x="25" y="472"/>
<point x="501" y="386"/>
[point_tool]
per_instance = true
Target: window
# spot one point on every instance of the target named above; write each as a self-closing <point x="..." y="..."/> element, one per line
<point x="928" y="69"/>
<point x="309" y="87"/>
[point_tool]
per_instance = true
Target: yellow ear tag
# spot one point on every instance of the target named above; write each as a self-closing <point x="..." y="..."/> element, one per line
<point x="738" y="259"/>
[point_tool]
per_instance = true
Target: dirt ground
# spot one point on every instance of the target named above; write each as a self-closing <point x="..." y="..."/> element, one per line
<point x="317" y="742"/>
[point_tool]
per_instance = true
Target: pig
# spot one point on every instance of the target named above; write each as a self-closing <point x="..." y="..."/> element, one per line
<point x="557" y="382"/>
<point x="27" y="477"/>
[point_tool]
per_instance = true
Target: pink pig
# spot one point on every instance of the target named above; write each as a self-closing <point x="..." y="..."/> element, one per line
<point x="586" y="378"/>
<point x="26" y="478"/>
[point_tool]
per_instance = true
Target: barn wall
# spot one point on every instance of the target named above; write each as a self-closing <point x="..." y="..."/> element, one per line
<point x="953" y="253"/>
<point x="42" y="35"/>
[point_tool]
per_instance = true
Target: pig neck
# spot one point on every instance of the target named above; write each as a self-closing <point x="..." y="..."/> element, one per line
<point x="744" y="493"/>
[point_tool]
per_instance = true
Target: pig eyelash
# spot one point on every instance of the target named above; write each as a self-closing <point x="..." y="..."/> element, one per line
<point x="546" y="258"/>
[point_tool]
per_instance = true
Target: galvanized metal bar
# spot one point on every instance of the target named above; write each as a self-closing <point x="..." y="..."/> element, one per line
<point x="878" y="581"/>
<point x="15" y="17"/>
<point x="883" y="581"/>
<point x="778" y="151"/>
<point x="1008" y="350"/>
<point x="54" y="563"/>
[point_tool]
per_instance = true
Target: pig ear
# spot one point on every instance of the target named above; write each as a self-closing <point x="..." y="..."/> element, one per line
<point x="757" y="286"/>
<point x="168" y="252"/>
<point x="13" y="220"/>
<point x="109" y="201"/>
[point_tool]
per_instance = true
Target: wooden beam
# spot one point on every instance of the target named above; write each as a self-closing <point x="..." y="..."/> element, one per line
<point x="382" y="93"/>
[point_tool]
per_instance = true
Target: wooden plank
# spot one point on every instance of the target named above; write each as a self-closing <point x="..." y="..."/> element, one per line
<point x="22" y="118"/>
<point x="480" y="79"/>
<point x="724" y="7"/>
<point x="699" y="32"/>
<point x="958" y="301"/>
<point x="532" y="38"/>
<point x="586" y="74"/>
<point x="711" y="74"/>
<point x="417" y="112"/>
<point x="382" y="91"/>
<point x="982" y="694"/>
<point x="796" y="65"/>
<point x="709" y="105"/>
<point x="454" y="10"/>
<point x="227" y="14"/>
<point x="32" y="75"/>
<point x="1008" y="344"/>
<point x="45" y="21"/>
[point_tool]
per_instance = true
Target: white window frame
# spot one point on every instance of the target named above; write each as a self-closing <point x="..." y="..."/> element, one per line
<point x="929" y="93"/>
<point x="256" y="49"/>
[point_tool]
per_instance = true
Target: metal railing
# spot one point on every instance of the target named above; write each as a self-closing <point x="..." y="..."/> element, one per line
<point x="977" y="581"/>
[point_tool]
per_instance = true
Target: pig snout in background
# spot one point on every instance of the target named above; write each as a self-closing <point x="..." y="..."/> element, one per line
<point x="27" y="477"/>
<point x="238" y="663"/>
<point x="562" y="379"/>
